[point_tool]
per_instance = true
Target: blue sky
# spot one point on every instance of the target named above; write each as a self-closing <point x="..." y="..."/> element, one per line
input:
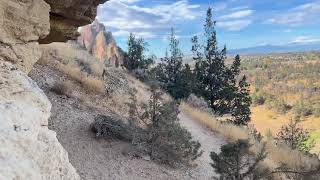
<point x="240" y="23"/>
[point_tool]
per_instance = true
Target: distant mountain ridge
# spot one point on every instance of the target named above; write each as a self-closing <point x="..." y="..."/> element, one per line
<point x="267" y="49"/>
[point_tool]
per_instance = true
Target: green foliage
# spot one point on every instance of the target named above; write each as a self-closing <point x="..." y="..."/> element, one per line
<point x="235" y="162"/>
<point x="241" y="104"/>
<point x="302" y="110"/>
<point x="277" y="77"/>
<point x="292" y="135"/>
<point x="173" y="77"/>
<point x="215" y="81"/>
<point x="166" y="141"/>
<point x="135" y="57"/>
<point x="257" y="99"/>
<point x="280" y="106"/>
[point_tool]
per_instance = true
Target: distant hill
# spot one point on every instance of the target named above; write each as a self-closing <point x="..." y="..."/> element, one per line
<point x="266" y="49"/>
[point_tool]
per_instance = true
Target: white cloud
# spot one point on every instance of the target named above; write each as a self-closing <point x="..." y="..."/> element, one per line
<point x="126" y="16"/>
<point x="145" y="35"/>
<point x="238" y="14"/>
<point x="299" y="15"/>
<point x="129" y="1"/>
<point x="305" y="39"/>
<point x="234" y="25"/>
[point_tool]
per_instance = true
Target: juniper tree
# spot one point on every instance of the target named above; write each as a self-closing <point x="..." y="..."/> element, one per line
<point x="211" y="72"/>
<point x="241" y="104"/>
<point x="168" y="141"/>
<point x="186" y="81"/>
<point x="170" y="69"/>
<point x="292" y="135"/>
<point x="217" y="82"/>
<point x="235" y="162"/>
<point x="135" y="58"/>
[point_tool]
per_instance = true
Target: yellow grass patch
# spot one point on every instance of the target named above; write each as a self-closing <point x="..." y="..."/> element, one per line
<point x="91" y="83"/>
<point x="276" y="153"/>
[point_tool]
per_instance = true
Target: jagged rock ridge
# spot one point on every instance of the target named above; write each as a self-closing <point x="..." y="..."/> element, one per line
<point x="101" y="44"/>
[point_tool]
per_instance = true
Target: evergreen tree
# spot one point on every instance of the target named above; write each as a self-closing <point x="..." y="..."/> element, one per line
<point x="234" y="162"/>
<point x="215" y="81"/>
<point x="135" y="57"/>
<point x="170" y="69"/>
<point x="235" y="69"/>
<point x="241" y="104"/>
<point x="210" y="70"/>
<point x="186" y="81"/>
<point x="292" y="135"/>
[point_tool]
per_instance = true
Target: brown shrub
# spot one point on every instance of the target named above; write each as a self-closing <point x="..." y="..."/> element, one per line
<point x="62" y="88"/>
<point x="93" y="84"/>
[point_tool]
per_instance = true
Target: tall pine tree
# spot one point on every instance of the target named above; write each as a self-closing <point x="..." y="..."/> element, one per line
<point x="210" y="69"/>
<point x="170" y="69"/>
<point x="241" y="104"/>
<point x="135" y="57"/>
<point x="217" y="82"/>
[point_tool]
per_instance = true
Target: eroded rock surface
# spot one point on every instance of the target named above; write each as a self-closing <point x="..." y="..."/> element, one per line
<point x="100" y="44"/>
<point x="22" y="23"/>
<point x="67" y="15"/>
<point x="29" y="150"/>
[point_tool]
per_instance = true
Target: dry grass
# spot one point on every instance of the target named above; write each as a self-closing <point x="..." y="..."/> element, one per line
<point x="277" y="154"/>
<point x="90" y="83"/>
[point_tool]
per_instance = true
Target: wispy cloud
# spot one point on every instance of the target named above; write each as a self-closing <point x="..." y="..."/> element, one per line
<point x="126" y="16"/>
<point x="234" y="25"/>
<point x="297" y="16"/>
<point x="239" y="18"/>
<point x="238" y="14"/>
<point x="305" y="40"/>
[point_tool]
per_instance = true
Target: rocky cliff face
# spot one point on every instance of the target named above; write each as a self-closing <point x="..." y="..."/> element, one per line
<point x="100" y="43"/>
<point x="67" y="15"/>
<point x="28" y="149"/>
<point x="22" y="23"/>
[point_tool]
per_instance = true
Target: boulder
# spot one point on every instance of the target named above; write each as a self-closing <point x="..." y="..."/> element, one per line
<point x="29" y="150"/>
<point x="67" y="15"/>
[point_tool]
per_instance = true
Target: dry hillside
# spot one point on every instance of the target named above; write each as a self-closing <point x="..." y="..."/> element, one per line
<point x="74" y="107"/>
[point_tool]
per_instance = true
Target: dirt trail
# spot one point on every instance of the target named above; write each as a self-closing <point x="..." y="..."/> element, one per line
<point x="209" y="140"/>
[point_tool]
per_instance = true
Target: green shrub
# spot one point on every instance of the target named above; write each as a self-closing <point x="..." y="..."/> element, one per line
<point x="164" y="139"/>
<point x="235" y="162"/>
<point x="302" y="110"/>
<point x="258" y="99"/>
<point x="280" y="106"/>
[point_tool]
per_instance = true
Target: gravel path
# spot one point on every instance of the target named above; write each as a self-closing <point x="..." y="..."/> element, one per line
<point x="209" y="140"/>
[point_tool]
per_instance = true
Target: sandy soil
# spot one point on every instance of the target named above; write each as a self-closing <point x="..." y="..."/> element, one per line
<point x="104" y="159"/>
<point x="209" y="140"/>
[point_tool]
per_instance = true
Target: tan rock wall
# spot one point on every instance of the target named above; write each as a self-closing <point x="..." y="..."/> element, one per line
<point x="22" y="23"/>
<point x="67" y="15"/>
<point x="29" y="150"/>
